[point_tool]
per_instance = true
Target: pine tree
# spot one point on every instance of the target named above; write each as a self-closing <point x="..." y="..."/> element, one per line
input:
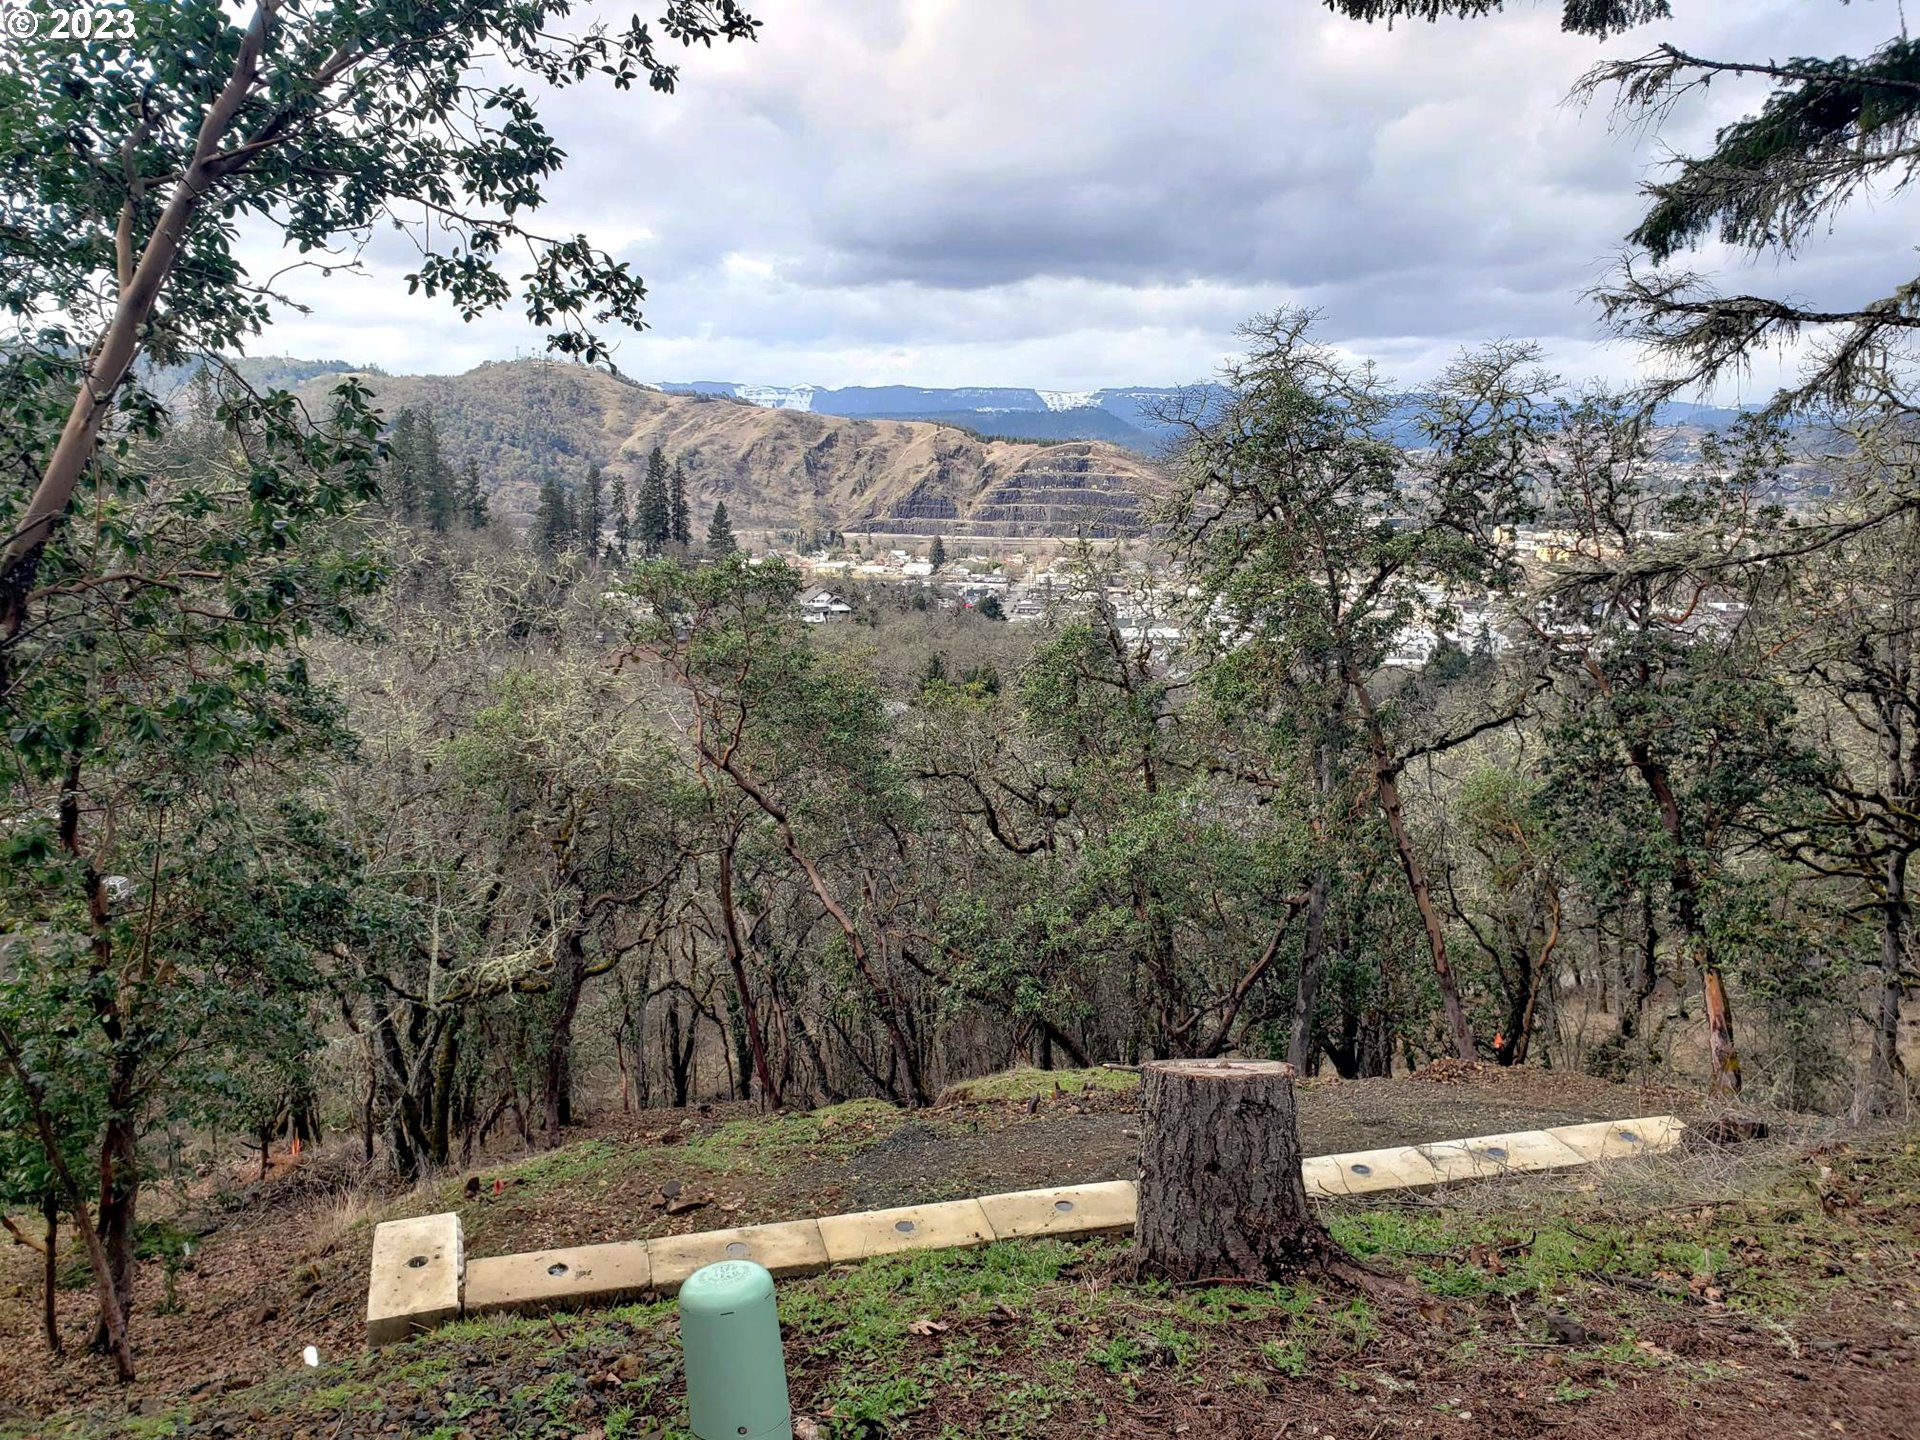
<point x="402" y="484"/>
<point x="679" y="517"/>
<point x="1831" y="130"/>
<point x="653" y="518"/>
<point x="202" y="428"/>
<point x="937" y="553"/>
<point x="593" y="513"/>
<point x="720" y="541"/>
<point x="437" y="500"/>
<point x="622" y="516"/>
<point x="473" y="500"/>
<point x="553" y="522"/>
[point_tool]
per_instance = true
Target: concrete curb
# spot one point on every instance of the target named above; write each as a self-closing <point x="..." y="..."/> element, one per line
<point x="421" y="1279"/>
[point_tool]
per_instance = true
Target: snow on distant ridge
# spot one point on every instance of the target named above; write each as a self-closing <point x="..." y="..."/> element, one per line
<point x="1067" y="399"/>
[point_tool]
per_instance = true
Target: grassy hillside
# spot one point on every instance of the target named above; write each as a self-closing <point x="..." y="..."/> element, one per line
<point x="525" y="421"/>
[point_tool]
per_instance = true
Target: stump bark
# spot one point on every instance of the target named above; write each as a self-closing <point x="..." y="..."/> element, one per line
<point x="1221" y="1197"/>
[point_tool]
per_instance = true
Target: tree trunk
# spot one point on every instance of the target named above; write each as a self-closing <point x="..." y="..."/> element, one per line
<point x="1387" y="790"/>
<point x="679" y="1057"/>
<point x="1526" y="1003"/>
<point x="50" y="1210"/>
<point x="439" y="1106"/>
<point x="1726" y="1060"/>
<point x="1306" y="995"/>
<point x="557" y="1079"/>
<point x="1646" y="970"/>
<point x="1686" y="886"/>
<point x="1220" y="1190"/>
<point x="736" y="952"/>
<point x="1885" y="1092"/>
<point x="116" y="1218"/>
<point x="1725" y="1080"/>
<point x="367" y="1107"/>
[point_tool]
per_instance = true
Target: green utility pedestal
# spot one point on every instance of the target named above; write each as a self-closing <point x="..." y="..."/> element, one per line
<point x="736" y="1371"/>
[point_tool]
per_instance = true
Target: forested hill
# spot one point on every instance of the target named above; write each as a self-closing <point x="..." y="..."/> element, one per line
<point x="527" y="421"/>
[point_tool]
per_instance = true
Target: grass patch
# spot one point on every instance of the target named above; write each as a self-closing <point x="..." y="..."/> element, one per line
<point x="771" y="1144"/>
<point x="1773" y="1251"/>
<point x="1024" y="1082"/>
<point x="1042" y="1338"/>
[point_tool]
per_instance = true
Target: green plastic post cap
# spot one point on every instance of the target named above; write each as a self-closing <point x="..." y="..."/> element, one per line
<point x="736" y="1370"/>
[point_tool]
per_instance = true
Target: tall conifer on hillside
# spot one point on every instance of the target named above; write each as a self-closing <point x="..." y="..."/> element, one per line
<point x="473" y="499"/>
<point x="679" y="517"/>
<point x="438" y="503"/>
<point x="720" y="541"/>
<point x="622" y="516"/>
<point x="653" y="519"/>
<point x="593" y="513"/>
<point x="401" y="483"/>
<point x="553" y="526"/>
<point x="419" y="483"/>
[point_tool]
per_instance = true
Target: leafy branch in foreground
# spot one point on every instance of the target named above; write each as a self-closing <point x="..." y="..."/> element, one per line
<point x="136" y="166"/>
<point x="1830" y="130"/>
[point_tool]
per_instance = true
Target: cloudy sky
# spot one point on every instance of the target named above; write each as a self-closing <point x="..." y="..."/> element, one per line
<point x="1076" y="193"/>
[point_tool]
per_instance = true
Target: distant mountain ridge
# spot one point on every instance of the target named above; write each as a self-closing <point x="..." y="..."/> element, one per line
<point x="1134" y="416"/>
<point x="987" y="462"/>
<point x="779" y="469"/>
<point x="1127" y="415"/>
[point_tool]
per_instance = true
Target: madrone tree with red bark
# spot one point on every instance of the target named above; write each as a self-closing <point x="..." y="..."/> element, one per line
<point x="790" y="746"/>
<point x="1323" y="517"/>
<point x="153" y="605"/>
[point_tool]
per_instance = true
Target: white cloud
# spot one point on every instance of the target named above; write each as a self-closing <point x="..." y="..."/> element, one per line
<point x="1073" y="193"/>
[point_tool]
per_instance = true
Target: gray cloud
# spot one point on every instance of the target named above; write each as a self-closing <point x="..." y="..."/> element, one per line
<point x="1082" y="192"/>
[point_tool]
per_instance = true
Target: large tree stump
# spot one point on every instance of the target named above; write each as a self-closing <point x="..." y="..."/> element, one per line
<point x="1220" y="1190"/>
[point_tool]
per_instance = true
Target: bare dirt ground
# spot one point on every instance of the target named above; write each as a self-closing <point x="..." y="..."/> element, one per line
<point x="1076" y="1139"/>
<point x="280" y="1265"/>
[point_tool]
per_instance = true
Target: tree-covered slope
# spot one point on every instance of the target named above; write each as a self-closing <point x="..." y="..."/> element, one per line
<point x="529" y="420"/>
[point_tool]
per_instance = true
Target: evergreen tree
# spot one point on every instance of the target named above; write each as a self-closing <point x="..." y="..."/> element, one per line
<point x="622" y="516"/>
<point x="473" y="500"/>
<point x="990" y="607"/>
<point x="1830" y="130"/>
<point x="402" y="482"/>
<point x="438" y="503"/>
<point x="937" y="553"/>
<point x="553" y="521"/>
<point x="419" y="484"/>
<point x="593" y="513"/>
<point x="720" y="541"/>
<point x="679" y="518"/>
<point x="653" y="518"/>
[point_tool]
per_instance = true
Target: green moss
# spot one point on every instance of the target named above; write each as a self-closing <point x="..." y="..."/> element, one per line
<point x="1024" y="1082"/>
<point x="772" y="1144"/>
